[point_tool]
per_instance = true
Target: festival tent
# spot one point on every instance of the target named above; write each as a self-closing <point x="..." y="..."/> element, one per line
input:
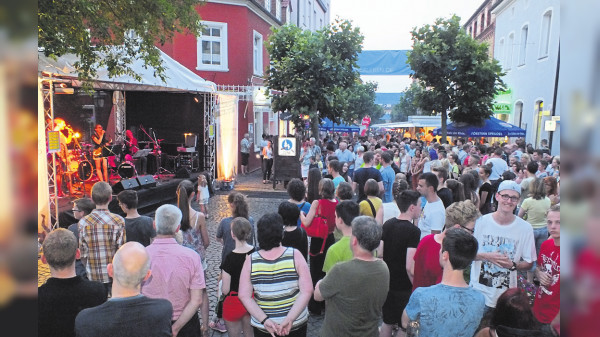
<point x="492" y="127"/>
<point x="328" y="125"/>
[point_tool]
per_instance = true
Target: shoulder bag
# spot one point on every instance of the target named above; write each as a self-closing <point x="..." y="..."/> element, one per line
<point x="318" y="228"/>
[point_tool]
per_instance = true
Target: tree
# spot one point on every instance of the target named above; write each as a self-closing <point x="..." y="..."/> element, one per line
<point x="314" y="73"/>
<point x="95" y="32"/>
<point x="455" y="72"/>
<point x="408" y="105"/>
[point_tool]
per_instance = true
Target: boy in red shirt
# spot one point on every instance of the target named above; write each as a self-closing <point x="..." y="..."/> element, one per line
<point x="547" y="298"/>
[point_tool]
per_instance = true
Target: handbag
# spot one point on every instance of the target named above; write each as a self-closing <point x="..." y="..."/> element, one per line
<point x="318" y="228"/>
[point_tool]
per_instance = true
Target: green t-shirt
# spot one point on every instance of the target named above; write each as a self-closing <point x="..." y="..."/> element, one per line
<point x="338" y="252"/>
<point x="536" y="211"/>
<point x="354" y="293"/>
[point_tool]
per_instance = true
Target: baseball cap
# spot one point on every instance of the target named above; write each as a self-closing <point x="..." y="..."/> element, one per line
<point x="509" y="185"/>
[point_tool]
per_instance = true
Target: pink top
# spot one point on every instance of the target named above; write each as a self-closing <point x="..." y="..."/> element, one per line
<point x="175" y="270"/>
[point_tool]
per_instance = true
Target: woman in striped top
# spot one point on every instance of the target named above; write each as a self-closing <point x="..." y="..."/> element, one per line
<point x="275" y="284"/>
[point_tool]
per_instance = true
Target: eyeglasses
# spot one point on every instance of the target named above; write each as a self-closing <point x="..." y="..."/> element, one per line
<point x="467" y="229"/>
<point x="507" y="197"/>
<point x="76" y="210"/>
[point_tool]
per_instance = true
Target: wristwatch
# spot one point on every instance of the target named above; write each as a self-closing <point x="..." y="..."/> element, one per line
<point x="514" y="267"/>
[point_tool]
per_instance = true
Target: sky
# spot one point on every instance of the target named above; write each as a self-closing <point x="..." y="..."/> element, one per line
<point x="386" y="25"/>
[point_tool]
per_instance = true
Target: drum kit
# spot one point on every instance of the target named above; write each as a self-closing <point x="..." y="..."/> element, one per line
<point x="82" y="163"/>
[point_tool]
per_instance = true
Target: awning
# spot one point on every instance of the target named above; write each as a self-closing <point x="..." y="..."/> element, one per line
<point x="328" y="125"/>
<point x="492" y="127"/>
<point x="178" y="77"/>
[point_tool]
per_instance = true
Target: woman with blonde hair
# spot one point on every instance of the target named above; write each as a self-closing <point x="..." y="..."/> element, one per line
<point x="426" y="269"/>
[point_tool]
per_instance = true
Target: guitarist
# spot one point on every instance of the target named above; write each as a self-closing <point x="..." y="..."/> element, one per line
<point x="131" y="148"/>
<point x="100" y="141"/>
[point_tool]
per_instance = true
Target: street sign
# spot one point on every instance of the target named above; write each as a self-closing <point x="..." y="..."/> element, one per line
<point x="550" y="126"/>
<point x="287" y="146"/>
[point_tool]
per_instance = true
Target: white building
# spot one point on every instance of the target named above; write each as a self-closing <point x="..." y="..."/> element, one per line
<point x="527" y="47"/>
<point x="308" y="14"/>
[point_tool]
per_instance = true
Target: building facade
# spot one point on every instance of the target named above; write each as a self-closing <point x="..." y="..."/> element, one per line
<point x="527" y="47"/>
<point x="308" y="14"/>
<point x="481" y="25"/>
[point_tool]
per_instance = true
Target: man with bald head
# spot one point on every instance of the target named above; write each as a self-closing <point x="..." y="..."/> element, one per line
<point x="65" y="293"/>
<point x="127" y="312"/>
<point x="178" y="275"/>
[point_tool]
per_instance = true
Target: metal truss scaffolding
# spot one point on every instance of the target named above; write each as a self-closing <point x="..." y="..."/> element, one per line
<point x="210" y="107"/>
<point x="48" y="97"/>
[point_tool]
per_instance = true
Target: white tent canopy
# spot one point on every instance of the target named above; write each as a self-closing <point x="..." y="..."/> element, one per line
<point x="178" y="77"/>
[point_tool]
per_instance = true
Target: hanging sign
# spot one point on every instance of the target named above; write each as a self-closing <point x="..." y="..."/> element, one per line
<point x="53" y="141"/>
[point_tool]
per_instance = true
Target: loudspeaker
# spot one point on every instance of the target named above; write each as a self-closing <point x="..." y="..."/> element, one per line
<point x="182" y="173"/>
<point x="146" y="181"/>
<point x="125" y="184"/>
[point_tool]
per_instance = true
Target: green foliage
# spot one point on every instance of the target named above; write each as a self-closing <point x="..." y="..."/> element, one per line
<point x="408" y="104"/>
<point x="95" y="31"/>
<point x="315" y="72"/>
<point x="454" y="71"/>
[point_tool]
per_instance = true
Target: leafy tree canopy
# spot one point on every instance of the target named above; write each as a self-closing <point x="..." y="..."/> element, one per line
<point x="315" y="74"/>
<point x="455" y="72"/>
<point x="95" y="32"/>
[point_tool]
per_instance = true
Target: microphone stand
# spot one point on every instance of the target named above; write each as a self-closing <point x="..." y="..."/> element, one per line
<point x="160" y="170"/>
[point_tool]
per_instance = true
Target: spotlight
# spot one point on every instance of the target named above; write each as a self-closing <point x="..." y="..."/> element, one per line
<point x="77" y="135"/>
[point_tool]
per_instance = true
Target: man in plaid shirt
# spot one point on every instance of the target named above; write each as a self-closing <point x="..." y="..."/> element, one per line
<point x="101" y="233"/>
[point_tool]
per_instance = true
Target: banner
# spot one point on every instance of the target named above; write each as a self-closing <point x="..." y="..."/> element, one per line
<point x="365" y="125"/>
<point x="383" y="62"/>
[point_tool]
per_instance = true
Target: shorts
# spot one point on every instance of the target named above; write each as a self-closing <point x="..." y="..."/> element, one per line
<point x="233" y="309"/>
<point x="245" y="157"/>
<point x="394" y="305"/>
<point x="304" y="171"/>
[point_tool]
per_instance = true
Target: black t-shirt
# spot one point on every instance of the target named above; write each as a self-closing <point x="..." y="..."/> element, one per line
<point x="487" y="187"/>
<point x="446" y="195"/>
<point x="140" y="229"/>
<point x="60" y="300"/>
<point x="397" y="236"/>
<point x="296" y="239"/>
<point x="233" y="266"/>
<point x="132" y="316"/>
<point x="361" y="176"/>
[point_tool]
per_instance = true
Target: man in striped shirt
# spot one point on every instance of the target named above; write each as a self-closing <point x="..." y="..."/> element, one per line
<point x="101" y="233"/>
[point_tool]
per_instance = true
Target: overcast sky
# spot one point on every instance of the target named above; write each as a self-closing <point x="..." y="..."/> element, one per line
<point x="386" y="25"/>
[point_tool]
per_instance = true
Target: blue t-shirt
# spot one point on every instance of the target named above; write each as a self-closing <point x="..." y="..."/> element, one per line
<point x="387" y="176"/>
<point x="304" y="207"/>
<point x="337" y="180"/>
<point x="446" y="311"/>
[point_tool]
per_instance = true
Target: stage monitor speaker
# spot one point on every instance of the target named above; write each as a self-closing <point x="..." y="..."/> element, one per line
<point x="125" y="184"/>
<point x="146" y="181"/>
<point x="182" y="173"/>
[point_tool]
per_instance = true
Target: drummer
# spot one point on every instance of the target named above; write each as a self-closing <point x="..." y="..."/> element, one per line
<point x="131" y="148"/>
<point x="100" y="141"/>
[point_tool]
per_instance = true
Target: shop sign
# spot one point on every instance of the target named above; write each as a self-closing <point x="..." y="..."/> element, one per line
<point x="503" y="102"/>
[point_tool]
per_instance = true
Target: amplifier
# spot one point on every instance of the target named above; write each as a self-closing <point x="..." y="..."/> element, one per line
<point x="186" y="149"/>
<point x="189" y="160"/>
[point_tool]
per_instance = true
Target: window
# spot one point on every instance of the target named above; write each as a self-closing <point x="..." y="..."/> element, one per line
<point x="212" y="46"/>
<point x="509" y="51"/>
<point x="288" y="14"/>
<point x="268" y="5"/>
<point x="278" y="9"/>
<point x="518" y="113"/>
<point x="258" y="53"/>
<point x="523" y="49"/>
<point x="481" y="22"/>
<point x="545" y="38"/>
<point x="315" y="22"/>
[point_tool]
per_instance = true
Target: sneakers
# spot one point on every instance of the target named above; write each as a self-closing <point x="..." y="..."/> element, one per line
<point x="218" y="325"/>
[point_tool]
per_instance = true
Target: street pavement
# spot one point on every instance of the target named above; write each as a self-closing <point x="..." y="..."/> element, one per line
<point x="262" y="199"/>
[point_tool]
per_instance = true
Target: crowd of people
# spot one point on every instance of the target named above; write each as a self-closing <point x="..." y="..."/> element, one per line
<point x="430" y="239"/>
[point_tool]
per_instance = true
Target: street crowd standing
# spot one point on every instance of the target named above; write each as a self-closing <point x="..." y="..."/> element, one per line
<point x="406" y="224"/>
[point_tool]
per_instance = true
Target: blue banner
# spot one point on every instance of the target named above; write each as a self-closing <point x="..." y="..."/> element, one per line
<point x="383" y="62"/>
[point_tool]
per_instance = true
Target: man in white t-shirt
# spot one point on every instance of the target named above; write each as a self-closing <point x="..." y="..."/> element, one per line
<point x="498" y="164"/>
<point x="506" y="245"/>
<point x="433" y="216"/>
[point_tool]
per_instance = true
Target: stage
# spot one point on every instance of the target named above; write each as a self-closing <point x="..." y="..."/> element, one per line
<point x="149" y="198"/>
